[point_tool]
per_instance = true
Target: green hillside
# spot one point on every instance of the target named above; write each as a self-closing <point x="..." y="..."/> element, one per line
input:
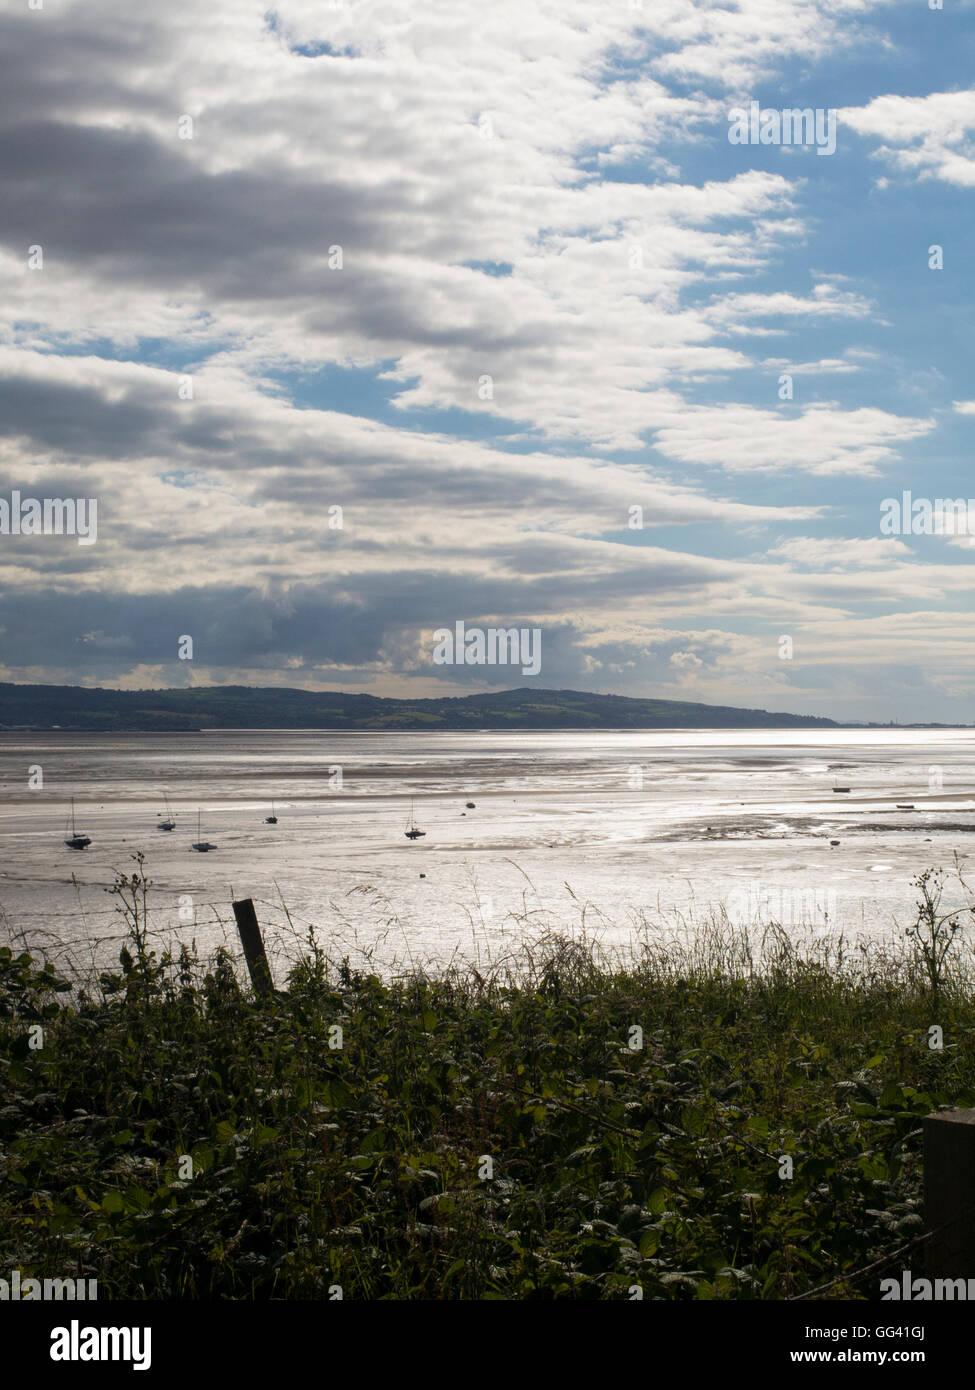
<point x="239" y="706"/>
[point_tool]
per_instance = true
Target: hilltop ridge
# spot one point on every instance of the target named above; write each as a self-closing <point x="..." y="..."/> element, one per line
<point x="240" y="706"/>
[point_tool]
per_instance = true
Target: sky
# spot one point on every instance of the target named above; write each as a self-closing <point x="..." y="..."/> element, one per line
<point x="359" y="320"/>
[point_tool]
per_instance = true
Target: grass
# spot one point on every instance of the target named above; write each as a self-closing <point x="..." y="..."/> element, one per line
<point x="730" y="1120"/>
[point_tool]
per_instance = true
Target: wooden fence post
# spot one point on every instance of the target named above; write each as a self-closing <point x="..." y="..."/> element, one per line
<point x="949" y="1194"/>
<point x="253" y="944"/>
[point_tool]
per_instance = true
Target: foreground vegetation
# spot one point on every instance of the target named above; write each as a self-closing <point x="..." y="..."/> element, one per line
<point x="509" y="1137"/>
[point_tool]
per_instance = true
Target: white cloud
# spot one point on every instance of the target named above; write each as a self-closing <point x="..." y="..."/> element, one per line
<point x="931" y="137"/>
<point x="821" y="439"/>
<point x="841" y="553"/>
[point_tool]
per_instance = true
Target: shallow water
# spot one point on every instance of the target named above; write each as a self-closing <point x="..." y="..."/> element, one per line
<point x="618" y="827"/>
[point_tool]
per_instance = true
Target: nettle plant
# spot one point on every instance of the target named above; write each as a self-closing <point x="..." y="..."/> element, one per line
<point x="143" y="970"/>
<point x="934" y="932"/>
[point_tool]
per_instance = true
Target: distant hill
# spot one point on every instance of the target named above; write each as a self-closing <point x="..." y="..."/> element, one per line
<point x="262" y="707"/>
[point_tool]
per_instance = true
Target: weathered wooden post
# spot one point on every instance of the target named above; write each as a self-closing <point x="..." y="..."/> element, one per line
<point x="949" y="1194"/>
<point x="253" y="944"/>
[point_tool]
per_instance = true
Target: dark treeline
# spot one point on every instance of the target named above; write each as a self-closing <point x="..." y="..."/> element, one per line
<point x="257" y="707"/>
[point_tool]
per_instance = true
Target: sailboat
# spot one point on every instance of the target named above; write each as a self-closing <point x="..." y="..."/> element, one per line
<point x="76" y="841"/>
<point x="411" y="832"/>
<point x="201" y="845"/>
<point x="169" y="823"/>
<point x="272" y="818"/>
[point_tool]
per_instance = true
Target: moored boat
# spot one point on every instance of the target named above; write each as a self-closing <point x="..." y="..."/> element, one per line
<point x="201" y="846"/>
<point x="74" y="840"/>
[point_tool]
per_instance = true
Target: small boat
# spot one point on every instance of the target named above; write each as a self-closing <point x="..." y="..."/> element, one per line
<point x="905" y="805"/>
<point x="272" y="818"/>
<point x="834" y="843"/>
<point x="841" y="789"/>
<point x="411" y="831"/>
<point x="201" y="845"/>
<point x="470" y="805"/>
<point x="76" y="841"/>
<point x="169" y="823"/>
